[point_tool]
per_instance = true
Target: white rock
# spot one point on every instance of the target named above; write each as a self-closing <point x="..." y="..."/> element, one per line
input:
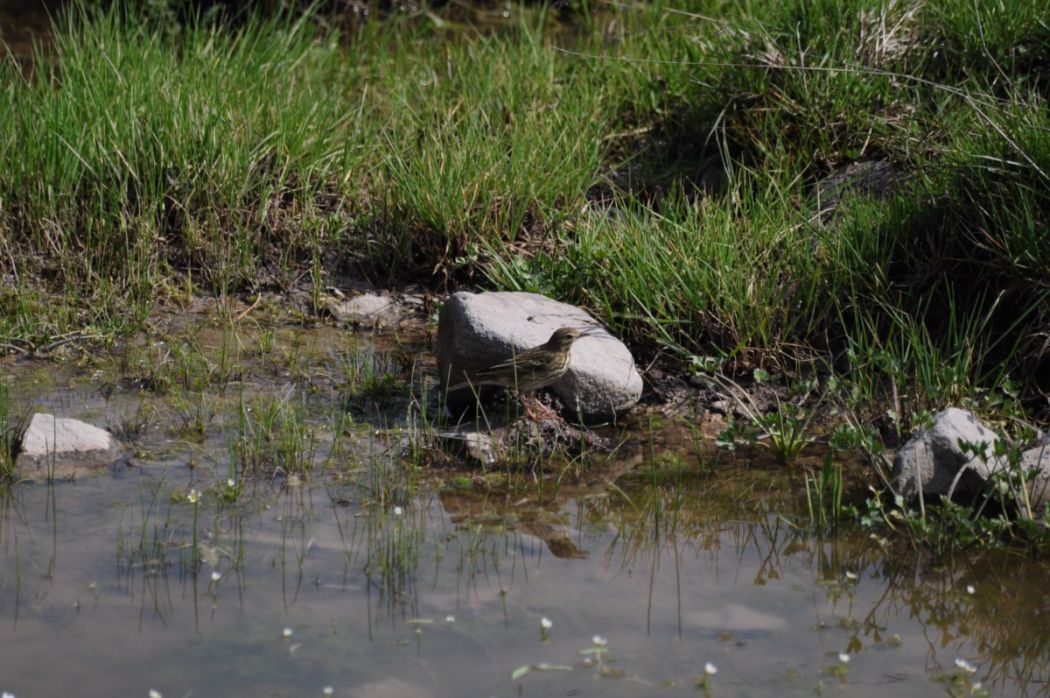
<point x="55" y="447"/>
<point x="476" y="331"/>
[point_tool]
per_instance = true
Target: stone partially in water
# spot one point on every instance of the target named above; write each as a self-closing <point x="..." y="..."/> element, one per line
<point x="478" y="447"/>
<point x="476" y="331"/>
<point x="366" y="310"/>
<point x="60" y="448"/>
<point x="934" y="462"/>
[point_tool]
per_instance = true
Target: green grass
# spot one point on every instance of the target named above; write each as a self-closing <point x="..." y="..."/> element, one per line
<point x="656" y="163"/>
<point x="272" y="438"/>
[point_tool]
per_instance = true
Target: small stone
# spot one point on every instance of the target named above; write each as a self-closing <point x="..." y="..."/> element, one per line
<point x="366" y="310"/>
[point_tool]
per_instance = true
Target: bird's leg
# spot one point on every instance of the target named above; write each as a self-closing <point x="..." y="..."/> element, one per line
<point x="536" y="410"/>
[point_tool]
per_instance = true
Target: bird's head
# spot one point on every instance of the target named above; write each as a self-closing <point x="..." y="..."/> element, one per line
<point x="563" y="338"/>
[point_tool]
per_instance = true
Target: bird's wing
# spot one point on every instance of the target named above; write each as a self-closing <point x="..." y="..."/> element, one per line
<point x="522" y="363"/>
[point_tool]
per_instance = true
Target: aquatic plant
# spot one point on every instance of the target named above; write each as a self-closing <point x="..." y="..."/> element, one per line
<point x="824" y="502"/>
<point x="272" y="437"/>
<point x="785" y="430"/>
<point x="12" y="427"/>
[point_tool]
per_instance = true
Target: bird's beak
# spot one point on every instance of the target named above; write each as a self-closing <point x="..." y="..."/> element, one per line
<point x="592" y="331"/>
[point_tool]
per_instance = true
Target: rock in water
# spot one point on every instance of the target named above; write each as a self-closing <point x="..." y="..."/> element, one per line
<point x="365" y="310"/>
<point x="59" y="448"/>
<point x="477" y="331"/>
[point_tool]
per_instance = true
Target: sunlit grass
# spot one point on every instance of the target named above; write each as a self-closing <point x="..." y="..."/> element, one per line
<point x="664" y="174"/>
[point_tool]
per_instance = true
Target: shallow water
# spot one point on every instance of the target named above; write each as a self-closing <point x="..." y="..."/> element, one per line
<point x="375" y="578"/>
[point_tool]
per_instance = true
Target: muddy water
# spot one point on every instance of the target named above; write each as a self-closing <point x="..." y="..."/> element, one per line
<point x="371" y="576"/>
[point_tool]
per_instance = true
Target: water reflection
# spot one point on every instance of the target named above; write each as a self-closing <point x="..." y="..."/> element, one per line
<point x="446" y="598"/>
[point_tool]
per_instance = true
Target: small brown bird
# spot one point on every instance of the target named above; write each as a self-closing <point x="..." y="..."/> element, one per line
<point x="532" y="369"/>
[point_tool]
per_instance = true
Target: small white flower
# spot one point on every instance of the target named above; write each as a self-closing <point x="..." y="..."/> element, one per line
<point x="970" y="589"/>
<point x="965" y="666"/>
<point x="546" y="623"/>
<point x="193" y="497"/>
<point x="231" y="483"/>
<point x="975" y="687"/>
<point x="215" y="576"/>
<point x="153" y="693"/>
<point x="599" y="641"/>
<point x="398" y="511"/>
<point x="844" y="658"/>
<point x="851" y="576"/>
<point x="328" y="690"/>
<point x="450" y="619"/>
<point x="710" y="669"/>
<point x="287" y="632"/>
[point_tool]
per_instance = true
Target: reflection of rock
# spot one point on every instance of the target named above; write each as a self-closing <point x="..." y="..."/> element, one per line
<point x="54" y="447"/>
<point x="390" y="688"/>
<point x="735" y="617"/>
<point x="934" y="462"/>
<point x="476" y="331"/>
<point x="466" y="508"/>
<point x="561" y="546"/>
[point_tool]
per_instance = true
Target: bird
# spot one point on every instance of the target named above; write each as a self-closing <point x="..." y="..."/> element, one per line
<point x="532" y="369"/>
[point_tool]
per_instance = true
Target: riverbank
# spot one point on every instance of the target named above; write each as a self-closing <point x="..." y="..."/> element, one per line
<point x="842" y="207"/>
<point x="782" y="189"/>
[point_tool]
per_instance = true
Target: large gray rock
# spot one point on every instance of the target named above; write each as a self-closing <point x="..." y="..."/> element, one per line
<point x="476" y="331"/>
<point x="59" y="448"/>
<point x="933" y="462"/>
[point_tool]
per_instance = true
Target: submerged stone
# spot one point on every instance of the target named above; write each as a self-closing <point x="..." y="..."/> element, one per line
<point x="477" y="331"/>
<point x="61" y="448"/>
